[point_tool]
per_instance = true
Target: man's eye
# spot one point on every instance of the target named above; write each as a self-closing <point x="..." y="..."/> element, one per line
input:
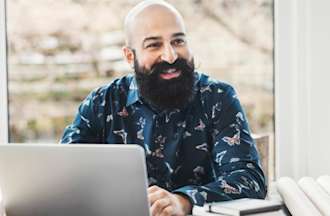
<point x="179" y="42"/>
<point x="153" y="45"/>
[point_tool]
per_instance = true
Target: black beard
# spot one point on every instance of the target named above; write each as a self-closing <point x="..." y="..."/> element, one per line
<point x="171" y="94"/>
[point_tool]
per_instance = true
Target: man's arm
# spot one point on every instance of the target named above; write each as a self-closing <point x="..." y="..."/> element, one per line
<point x="87" y="125"/>
<point x="235" y="160"/>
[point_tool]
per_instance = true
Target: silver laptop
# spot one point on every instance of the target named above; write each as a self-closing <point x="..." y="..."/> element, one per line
<point x="67" y="180"/>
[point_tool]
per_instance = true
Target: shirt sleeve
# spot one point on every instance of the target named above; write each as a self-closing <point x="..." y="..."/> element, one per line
<point x="87" y="124"/>
<point x="235" y="160"/>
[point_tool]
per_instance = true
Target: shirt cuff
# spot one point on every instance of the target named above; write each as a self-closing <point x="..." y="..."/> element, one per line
<point x="192" y="193"/>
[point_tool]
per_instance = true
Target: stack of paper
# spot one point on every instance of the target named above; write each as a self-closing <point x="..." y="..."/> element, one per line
<point x="307" y="197"/>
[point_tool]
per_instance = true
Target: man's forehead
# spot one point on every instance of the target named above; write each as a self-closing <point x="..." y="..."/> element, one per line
<point x="153" y="25"/>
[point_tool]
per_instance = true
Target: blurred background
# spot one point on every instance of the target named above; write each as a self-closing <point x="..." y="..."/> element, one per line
<point x="60" y="50"/>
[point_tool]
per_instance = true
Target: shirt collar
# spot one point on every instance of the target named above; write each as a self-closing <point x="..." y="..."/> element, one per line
<point x="133" y="92"/>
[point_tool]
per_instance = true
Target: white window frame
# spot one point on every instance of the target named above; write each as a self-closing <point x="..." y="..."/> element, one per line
<point x="292" y="88"/>
<point x="3" y="76"/>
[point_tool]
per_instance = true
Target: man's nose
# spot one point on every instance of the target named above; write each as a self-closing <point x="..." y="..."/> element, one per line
<point x="169" y="54"/>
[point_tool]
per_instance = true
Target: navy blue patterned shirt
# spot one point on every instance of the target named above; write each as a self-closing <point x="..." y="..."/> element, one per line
<point x="203" y="151"/>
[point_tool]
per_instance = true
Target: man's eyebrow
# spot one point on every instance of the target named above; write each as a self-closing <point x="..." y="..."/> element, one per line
<point x="151" y="38"/>
<point x="179" y="34"/>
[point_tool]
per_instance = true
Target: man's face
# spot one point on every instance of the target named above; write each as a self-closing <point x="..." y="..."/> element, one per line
<point x="162" y="59"/>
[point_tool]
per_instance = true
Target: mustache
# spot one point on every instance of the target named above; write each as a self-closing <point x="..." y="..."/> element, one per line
<point x="180" y="63"/>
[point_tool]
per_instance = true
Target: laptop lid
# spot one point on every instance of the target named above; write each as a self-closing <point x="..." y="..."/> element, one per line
<point x="38" y="180"/>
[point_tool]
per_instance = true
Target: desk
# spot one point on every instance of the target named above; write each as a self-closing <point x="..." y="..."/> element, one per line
<point x="199" y="211"/>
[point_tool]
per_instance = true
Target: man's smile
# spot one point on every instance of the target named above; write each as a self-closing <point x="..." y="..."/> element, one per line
<point x="170" y="73"/>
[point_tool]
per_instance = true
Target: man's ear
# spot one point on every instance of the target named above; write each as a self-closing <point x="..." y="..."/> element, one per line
<point x="129" y="55"/>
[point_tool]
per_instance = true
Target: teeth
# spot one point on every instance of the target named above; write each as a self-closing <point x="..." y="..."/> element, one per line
<point x="172" y="70"/>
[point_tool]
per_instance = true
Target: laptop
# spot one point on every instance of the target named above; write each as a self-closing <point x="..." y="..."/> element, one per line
<point x="84" y="180"/>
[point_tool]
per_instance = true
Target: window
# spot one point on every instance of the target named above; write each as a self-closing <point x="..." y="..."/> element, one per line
<point x="58" y="51"/>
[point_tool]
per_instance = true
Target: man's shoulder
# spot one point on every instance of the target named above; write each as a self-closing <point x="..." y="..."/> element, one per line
<point x="211" y="85"/>
<point x="116" y="86"/>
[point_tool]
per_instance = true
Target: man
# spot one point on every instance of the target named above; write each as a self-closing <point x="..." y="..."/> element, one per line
<point x="195" y="135"/>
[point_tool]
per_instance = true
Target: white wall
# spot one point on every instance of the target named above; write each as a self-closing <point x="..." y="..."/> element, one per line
<point x="318" y="67"/>
<point x="302" y="87"/>
<point x="3" y="78"/>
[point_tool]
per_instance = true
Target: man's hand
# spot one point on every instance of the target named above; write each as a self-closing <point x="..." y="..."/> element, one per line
<point x="164" y="203"/>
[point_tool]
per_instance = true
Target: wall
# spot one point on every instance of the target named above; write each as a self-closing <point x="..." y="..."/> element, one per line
<point x="318" y="68"/>
<point x="302" y="43"/>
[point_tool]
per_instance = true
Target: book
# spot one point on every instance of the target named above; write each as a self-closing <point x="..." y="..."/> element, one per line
<point x="200" y="211"/>
<point x="244" y="206"/>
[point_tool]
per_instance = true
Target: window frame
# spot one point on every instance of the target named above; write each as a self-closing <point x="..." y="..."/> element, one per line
<point x="292" y="88"/>
<point x="4" y="123"/>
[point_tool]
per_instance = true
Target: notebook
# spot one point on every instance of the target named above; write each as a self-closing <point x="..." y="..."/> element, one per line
<point x="244" y="206"/>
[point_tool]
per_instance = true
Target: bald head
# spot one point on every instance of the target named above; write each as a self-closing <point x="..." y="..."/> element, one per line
<point x="150" y="15"/>
<point x="155" y="32"/>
